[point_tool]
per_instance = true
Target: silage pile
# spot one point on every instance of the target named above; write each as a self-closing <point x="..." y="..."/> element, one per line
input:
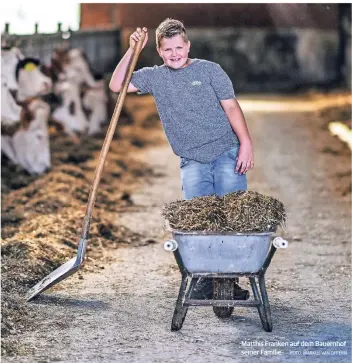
<point x="242" y="212"/>
<point x="42" y="215"/>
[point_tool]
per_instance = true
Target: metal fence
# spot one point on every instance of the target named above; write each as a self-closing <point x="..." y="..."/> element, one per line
<point x="103" y="47"/>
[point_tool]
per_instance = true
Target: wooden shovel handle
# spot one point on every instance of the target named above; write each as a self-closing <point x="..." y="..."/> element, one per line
<point x="109" y="135"/>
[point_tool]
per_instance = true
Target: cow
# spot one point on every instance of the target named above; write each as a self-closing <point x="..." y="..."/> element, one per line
<point x="95" y="102"/>
<point x="32" y="84"/>
<point x="78" y="61"/>
<point x="70" y="113"/>
<point x="25" y="141"/>
<point x="22" y="75"/>
<point x="10" y="116"/>
<point x="66" y="60"/>
<point x="10" y="110"/>
<point x="24" y="121"/>
<point x="31" y="141"/>
<point x="31" y="81"/>
<point x="83" y="91"/>
<point x="10" y="56"/>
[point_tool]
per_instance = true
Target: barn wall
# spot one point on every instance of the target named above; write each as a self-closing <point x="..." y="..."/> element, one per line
<point x="318" y="16"/>
<point x="263" y="47"/>
<point x="257" y="59"/>
<point x="344" y="55"/>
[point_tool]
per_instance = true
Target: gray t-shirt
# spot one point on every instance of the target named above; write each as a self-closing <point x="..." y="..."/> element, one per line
<point x="188" y="102"/>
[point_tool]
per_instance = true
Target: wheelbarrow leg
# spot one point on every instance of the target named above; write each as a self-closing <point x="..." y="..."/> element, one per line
<point x="264" y="307"/>
<point x="268" y="325"/>
<point x="180" y="308"/>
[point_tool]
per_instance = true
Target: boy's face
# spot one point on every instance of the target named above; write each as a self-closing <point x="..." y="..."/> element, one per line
<point x="174" y="51"/>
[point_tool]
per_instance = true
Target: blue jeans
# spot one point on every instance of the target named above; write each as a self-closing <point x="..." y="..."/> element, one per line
<point x="217" y="177"/>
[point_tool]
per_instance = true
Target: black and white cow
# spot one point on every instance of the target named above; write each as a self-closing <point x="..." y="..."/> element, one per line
<point x="31" y="81"/>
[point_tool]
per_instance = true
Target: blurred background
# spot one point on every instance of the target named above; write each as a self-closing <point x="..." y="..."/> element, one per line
<point x="263" y="47"/>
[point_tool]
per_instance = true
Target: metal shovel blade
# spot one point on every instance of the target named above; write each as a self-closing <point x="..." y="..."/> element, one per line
<point x="65" y="270"/>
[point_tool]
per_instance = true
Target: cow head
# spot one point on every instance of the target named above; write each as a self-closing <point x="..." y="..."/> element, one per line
<point x="31" y="141"/>
<point x="79" y="62"/>
<point x="74" y="63"/>
<point x="59" y="59"/>
<point x="31" y="81"/>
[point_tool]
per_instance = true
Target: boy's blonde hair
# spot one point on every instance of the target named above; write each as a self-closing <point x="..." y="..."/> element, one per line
<point x="169" y="28"/>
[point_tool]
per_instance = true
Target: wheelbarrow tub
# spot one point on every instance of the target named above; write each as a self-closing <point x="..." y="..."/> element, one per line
<point x="227" y="252"/>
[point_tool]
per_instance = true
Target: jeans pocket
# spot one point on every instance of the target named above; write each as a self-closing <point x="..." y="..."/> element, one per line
<point x="233" y="153"/>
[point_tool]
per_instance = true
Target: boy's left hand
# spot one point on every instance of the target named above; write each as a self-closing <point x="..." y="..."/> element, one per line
<point x="245" y="159"/>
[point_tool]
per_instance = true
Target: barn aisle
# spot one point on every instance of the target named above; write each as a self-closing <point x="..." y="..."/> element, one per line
<point x="123" y="313"/>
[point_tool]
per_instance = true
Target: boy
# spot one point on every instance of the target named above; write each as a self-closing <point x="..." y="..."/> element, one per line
<point x="202" y="120"/>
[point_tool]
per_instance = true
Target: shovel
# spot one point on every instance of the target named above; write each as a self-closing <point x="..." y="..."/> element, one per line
<point x="71" y="266"/>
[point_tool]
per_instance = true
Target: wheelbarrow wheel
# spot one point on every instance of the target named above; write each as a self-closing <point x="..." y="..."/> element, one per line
<point x="223" y="289"/>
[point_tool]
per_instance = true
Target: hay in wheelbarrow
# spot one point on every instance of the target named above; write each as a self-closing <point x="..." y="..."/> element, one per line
<point x="243" y="211"/>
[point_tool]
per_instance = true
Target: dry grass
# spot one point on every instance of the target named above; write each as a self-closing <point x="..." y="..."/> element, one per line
<point x="243" y="211"/>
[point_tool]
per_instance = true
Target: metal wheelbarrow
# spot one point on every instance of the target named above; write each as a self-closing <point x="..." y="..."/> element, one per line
<point x="223" y="257"/>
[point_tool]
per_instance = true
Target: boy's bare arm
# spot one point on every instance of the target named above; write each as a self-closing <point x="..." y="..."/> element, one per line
<point x="245" y="160"/>
<point x="120" y="70"/>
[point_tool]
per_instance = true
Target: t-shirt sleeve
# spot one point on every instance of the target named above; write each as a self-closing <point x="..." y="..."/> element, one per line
<point x="143" y="80"/>
<point x="221" y="83"/>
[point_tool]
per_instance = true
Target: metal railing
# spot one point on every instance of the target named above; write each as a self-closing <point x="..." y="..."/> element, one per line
<point x="102" y="47"/>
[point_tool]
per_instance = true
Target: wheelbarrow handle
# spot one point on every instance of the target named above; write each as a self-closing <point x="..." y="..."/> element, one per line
<point x="170" y="245"/>
<point x="279" y="242"/>
<point x="109" y="135"/>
